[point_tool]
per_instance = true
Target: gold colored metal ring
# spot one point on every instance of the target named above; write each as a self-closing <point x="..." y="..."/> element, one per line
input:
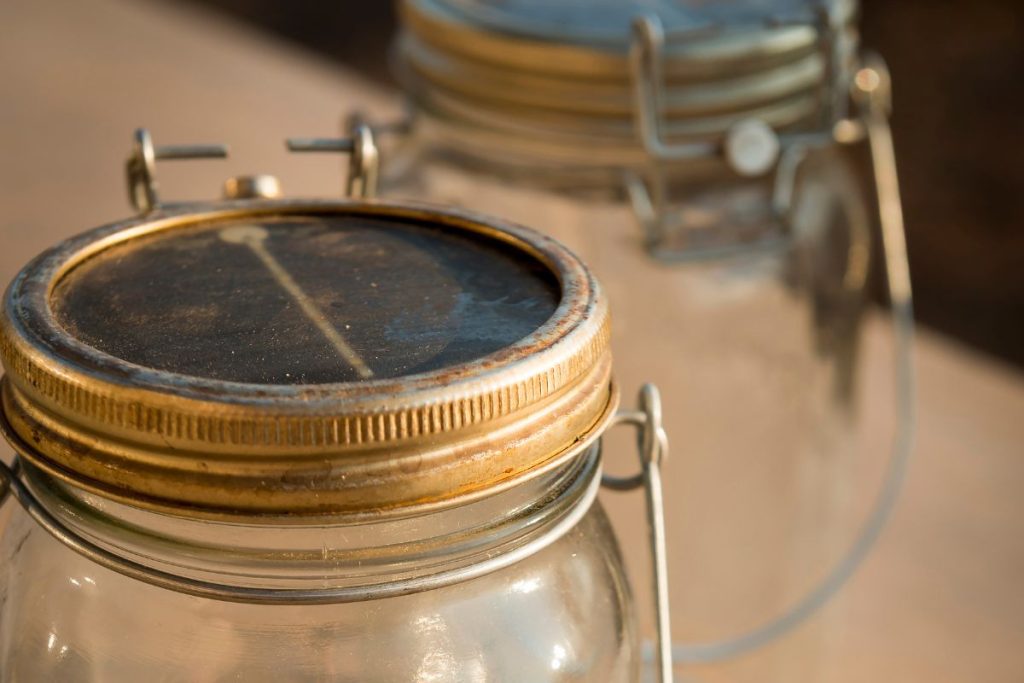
<point x="174" y="442"/>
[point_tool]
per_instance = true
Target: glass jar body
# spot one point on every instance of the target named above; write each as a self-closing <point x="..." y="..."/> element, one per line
<point x="754" y="347"/>
<point x="563" y="613"/>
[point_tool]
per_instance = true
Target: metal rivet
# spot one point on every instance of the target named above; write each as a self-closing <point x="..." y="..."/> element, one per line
<point x="751" y="147"/>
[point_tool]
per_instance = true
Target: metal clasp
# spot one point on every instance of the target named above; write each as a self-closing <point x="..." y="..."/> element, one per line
<point x="363" y="156"/>
<point x="750" y="147"/>
<point x="652" y="445"/>
<point x="141" y="166"/>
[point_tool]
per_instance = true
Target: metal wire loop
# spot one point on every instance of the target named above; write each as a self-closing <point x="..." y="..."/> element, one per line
<point x="652" y="448"/>
<point x="651" y="438"/>
<point x="360" y="144"/>
<point x="140" y="168"/>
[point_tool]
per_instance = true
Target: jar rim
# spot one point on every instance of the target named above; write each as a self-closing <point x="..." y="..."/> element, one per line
<point x="339" y="561"/>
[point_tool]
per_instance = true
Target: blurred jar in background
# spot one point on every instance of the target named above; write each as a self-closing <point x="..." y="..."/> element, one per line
<point x="692" y="155"/>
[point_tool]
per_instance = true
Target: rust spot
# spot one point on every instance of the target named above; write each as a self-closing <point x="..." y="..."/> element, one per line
<point x="410" y="465"/>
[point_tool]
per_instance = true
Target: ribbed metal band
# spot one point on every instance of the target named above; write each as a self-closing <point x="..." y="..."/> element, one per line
<point x="165" y="441"/>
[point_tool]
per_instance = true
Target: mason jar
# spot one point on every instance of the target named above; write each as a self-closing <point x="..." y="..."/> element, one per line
<point x="702" y="159"/>
<point x="310" y="440"/>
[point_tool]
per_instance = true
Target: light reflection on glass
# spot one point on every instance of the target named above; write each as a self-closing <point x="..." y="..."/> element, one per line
<point x="526" y="585"/>
<point x="438" y="664"/>
<point x="558" y="658"/>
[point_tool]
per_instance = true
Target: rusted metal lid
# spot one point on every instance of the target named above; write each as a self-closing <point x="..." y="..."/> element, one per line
<point x="304" y="358"/>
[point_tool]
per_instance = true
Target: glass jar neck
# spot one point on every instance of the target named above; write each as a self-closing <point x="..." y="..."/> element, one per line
<point x="354" y="557"/>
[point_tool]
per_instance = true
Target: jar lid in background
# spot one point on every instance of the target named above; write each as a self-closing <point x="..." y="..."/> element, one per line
<point x="304" y="358"/>
<point x="549" y="82"/>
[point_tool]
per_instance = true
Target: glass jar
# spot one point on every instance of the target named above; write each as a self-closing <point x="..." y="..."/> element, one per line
<point x="700" y="158"/>
<point x="311" y="440"/>
<point x="563" y="612"/>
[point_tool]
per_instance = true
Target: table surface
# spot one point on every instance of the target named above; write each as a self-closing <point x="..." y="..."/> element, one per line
<point x="940" y="597"/>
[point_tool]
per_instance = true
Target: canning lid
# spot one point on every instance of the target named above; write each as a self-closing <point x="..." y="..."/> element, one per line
<point x="304" y="358"/>
<point x="554" y="76"/>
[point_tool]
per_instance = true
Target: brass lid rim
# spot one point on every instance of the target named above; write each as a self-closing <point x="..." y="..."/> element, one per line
<point x="125" y="417"/>
<point x="475" y="81"/>
<point x="489" y="135"/>
<point x="291" y="418"/>
<point x="29" y="299"/>
<point x="324" y="510"/>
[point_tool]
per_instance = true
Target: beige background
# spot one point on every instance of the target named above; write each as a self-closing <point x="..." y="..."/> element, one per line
<point x="941" y="598"/>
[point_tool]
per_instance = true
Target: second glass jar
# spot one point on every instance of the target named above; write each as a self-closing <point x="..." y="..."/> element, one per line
<point x="694" y="160"/>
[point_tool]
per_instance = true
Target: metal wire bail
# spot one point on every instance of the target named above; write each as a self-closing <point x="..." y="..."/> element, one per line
<point x="363" y="156"/>
<point x="140" y="168"/>
<point x="652" y="447"/>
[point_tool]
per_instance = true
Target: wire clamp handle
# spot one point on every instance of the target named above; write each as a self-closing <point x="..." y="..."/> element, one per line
<point x="652" y="447"/>
<point x="140" y="168"/>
